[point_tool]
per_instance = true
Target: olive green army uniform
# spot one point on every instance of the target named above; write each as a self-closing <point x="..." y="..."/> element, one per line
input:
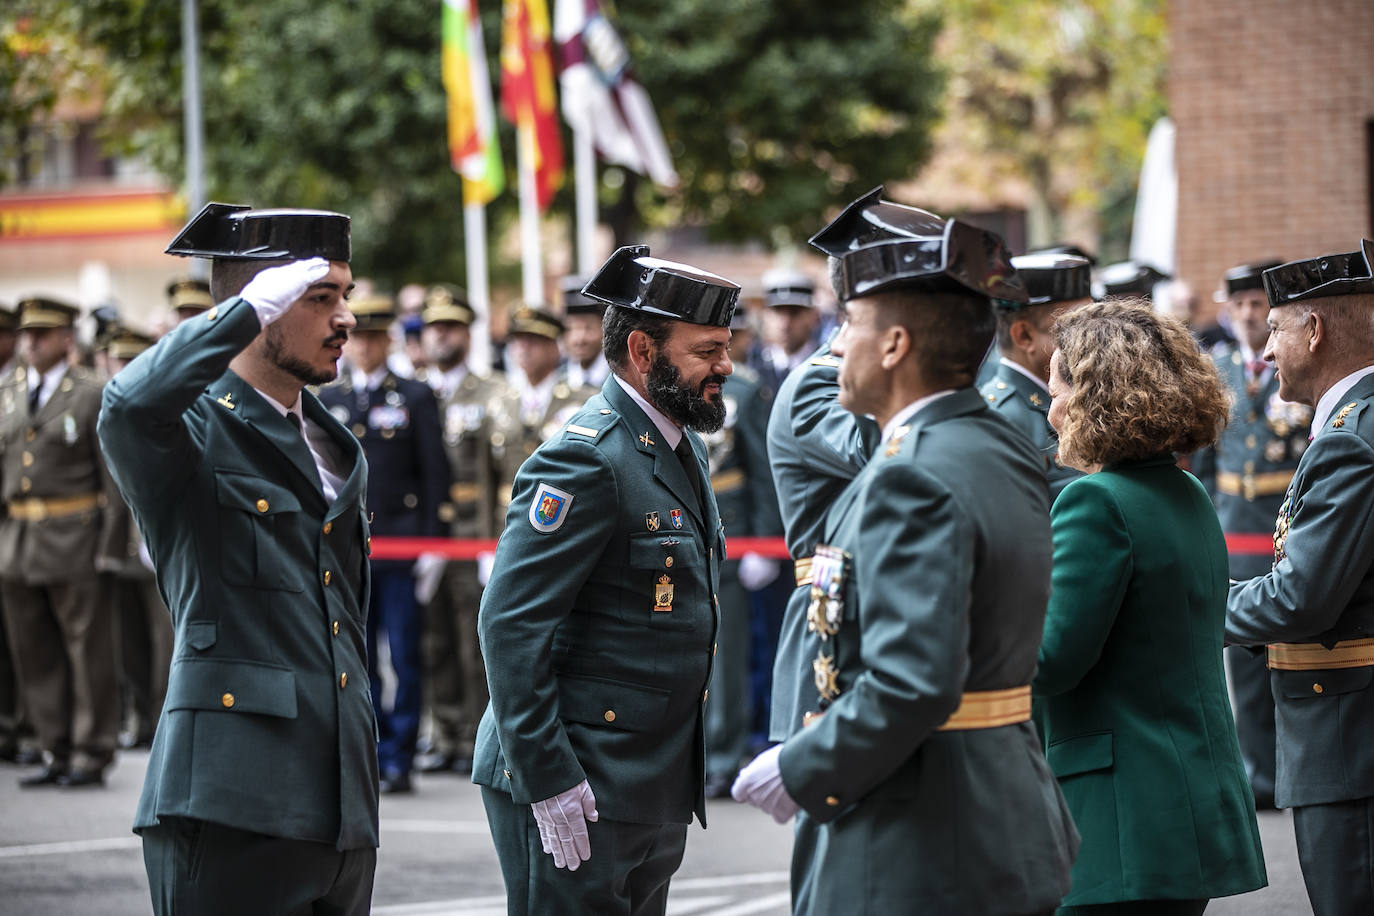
<point x="522" y="432"/>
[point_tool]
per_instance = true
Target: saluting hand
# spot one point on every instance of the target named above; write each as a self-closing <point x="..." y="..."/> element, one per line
<point x="273" y="290"/>
<point x="562" y="824"/>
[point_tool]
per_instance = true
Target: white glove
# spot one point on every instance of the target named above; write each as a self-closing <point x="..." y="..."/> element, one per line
<point x="274" y="290"/>
<point x="428" y="571"/>
<point x="756" y="571"/>
<point x="563" y="825"/>
<point x="760" y="784"/>
<point x="484" y="563"/>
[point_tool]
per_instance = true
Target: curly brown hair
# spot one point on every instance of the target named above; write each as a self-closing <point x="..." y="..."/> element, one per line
<point x="1140" y="385"/>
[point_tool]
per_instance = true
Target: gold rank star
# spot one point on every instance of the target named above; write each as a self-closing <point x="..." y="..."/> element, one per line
<point x="645" y="440"/>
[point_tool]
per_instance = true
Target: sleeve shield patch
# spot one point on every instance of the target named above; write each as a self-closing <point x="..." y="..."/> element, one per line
<point x="549" y="508"/>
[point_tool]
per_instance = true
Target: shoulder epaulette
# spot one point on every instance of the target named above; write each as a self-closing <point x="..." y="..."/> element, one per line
<point x="1344" y="412"/>
<point x="590" y="425"/>
<point x="832" y="361"/>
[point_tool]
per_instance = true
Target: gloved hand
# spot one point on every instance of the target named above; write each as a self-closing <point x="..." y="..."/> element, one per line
<point x="756" y="571"/>
<point x="273" y="290"/>
<point x="485" y="561"/>
<point x="760" y="784"/>
<point x="428" y="571"/>
<point x="562" y="824"/>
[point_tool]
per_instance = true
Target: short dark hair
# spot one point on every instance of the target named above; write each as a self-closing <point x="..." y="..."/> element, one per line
<point x="1035" y="314"/>
<point x="616" y="326"/>
<point x="950" y="332"/>
<point x="228" y="276"/>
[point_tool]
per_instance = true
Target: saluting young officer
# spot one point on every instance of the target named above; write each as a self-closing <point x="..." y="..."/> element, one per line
<point x="929" y="591"/>
<point x="1315" y="608"/>
<point x="261" y="789"/>
<point x="599" y="623"/>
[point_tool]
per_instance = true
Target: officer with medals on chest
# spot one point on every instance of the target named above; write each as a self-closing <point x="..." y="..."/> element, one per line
<point x="929" y="591"/>
<point x="1247" y="473"/>
<point x="455" y="681"/>
<point x="599" y="623"/>
<point x="261" y="788"/>
<point x="1313" y="611"/>
<point x="1025" y="340"/>
<point x="54" y="486"/>
<point x="397" y="422"/>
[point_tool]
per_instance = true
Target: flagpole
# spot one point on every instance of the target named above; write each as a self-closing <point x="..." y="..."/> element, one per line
<point x="479" y="296"/>
<point x="532" y="276"/>
<point x="584" y="172"/>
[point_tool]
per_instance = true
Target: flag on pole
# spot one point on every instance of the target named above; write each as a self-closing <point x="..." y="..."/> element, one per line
<point x="601" y="95"/>
<point x="474" y="150"/>
<point x="527" y="93"/>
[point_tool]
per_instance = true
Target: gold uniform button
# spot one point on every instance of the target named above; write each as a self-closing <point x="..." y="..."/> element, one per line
<point x="30" y="435"/>
<point x="507" y="772"/>
<point x="328" y="527"/>
<point x="668" y="561"/>
<point x="327" y="576"/>
<point x="714" y="647"/>
<point x="262" y="505"/>
<point x="212" y="314"/>
<point x="335" y="628"/>
<point x="25" y="484"/>
<point x="705" y="693"/>
<point x="28" y="459"/>
<point x="359" y="430"/>
<point x="343" y="680"/>
<point x="832" y="801"/>
<point x="609" y="715"/>
<point x="1316" y="688"/>
<point x="227" y="701"/>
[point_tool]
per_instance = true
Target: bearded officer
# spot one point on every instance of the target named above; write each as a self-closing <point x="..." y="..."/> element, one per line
<point x="929" y="592"/>
<point x="598" y="625"/>
<point x="1025" y="340"/>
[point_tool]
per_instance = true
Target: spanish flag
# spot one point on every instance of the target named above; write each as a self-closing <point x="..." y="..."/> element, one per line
<point x="527" y="93"/>
<point x="473" y="147"/>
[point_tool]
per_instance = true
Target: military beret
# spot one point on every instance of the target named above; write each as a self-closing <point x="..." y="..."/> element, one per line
<point x="189" y="294"/>
<point x="238" y="232"/>
<point x="881" y="245"/>
<point x="1050" y="278"/>
<point x="41" y="312"/>
<point x="788" y="287"/>
<point x="374" y="312"/>
<point x="446" y="302"/>
<point x="1129" y="278"/>
<point x="1317" y="278"/>
<point x="576" y="302"/>
<point x="632" y="279"/>
<point x="537" y="322"/>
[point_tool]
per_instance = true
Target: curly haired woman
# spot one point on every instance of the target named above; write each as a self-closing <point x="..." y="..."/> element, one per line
<point x="1134" y="702"/>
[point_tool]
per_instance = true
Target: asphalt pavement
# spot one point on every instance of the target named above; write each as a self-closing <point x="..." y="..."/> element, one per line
<point x="69" y="852"/>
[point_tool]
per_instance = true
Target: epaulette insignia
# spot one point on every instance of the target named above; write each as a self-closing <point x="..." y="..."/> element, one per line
<point x="1001" y="385"/>
<point x="1345" y="412"/>
<point x="646" y="440"/>
<point x="894" y="444"/>
<point x="1035" y="399"/>
<point x="831" y="361"/>
<point x="992" y="398"/>
<point x="583" y="430"/>
<point x="1235" y="357"/>
<point x="227" y="400"/>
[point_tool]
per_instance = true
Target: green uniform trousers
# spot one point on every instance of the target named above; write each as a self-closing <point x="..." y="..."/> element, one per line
<point x="1336" y="851"/>
<point x="199" y="868"/>
<point x="627" y="874"/>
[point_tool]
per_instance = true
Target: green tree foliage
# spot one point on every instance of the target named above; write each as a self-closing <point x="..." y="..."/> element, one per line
<point x="1061" y="93"/>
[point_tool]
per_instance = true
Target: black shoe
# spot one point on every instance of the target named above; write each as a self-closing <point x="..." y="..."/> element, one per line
<point x="28" y="756"/>
<point x="434" y="763"/>
<point x="719" y="786"/>
<point x="50" y="775"/>
<point x="394" y="784"/>
<point x="79" y="777"/>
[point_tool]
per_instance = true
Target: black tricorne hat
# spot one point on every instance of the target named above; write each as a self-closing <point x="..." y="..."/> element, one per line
<point x="632" y="279"/>
<point x="1317" y="278"/>
<point x="1248" y="276"/>
<point x="238" y="232"/>
<point x="1075" y="250"/>
<point x="1130" y="278"/>
<point x="880" y="245"/>
<point x="788" y="287"/>
<point x="1051" y="278"/>
<point x="576" y="302"/>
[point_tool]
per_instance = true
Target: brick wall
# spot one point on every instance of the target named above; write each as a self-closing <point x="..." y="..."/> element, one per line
<point x="1272" y="101"/>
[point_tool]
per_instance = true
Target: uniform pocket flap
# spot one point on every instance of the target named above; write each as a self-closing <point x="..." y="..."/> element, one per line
<point x="664" y="550"/>
<point x="254" y="494"/>
<point x="232" y="686"/>
<point x="1301" y="685"/>
<point x="1083" y="754"/>
<point x="201" y="634"/>
<point x="615" y="704"/>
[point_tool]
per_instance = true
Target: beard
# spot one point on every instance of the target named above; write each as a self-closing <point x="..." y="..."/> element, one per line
<point x="274" y="348"/>
<point x="680" y="402"/>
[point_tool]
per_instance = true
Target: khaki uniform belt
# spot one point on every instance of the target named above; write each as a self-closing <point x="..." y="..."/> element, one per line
<point x="726" y="481"/>
<point x="802" y="568"/>
<point x="36" y="510"/>
<point x="979" y="709"/>
<point x="1313" y="656"/>
<point x="1252" y="485"/>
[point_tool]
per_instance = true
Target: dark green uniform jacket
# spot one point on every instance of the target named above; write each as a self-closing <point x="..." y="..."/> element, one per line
<point x="1026" y="405"/>
<point x="1136" y="711"/>
<point x="599" y="621"/>
<point x="942" y="590"/>
<point x="268" y="722"/>
<point x="1321" y="590"/>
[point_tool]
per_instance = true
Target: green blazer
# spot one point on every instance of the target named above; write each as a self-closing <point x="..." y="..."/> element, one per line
<point x="1321" y="589"/>
<point x="268" y="722"/>
<point x="1136" y="712"/>
<point x="942" y="591"/>
<point x="598" y="624"/>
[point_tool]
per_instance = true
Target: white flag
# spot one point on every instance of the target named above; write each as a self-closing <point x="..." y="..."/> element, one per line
<point x="601" y="96"/>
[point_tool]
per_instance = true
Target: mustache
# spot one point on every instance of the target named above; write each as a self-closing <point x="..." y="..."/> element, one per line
<point x="710" y="380"/>
<point x="340" y="338"/>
